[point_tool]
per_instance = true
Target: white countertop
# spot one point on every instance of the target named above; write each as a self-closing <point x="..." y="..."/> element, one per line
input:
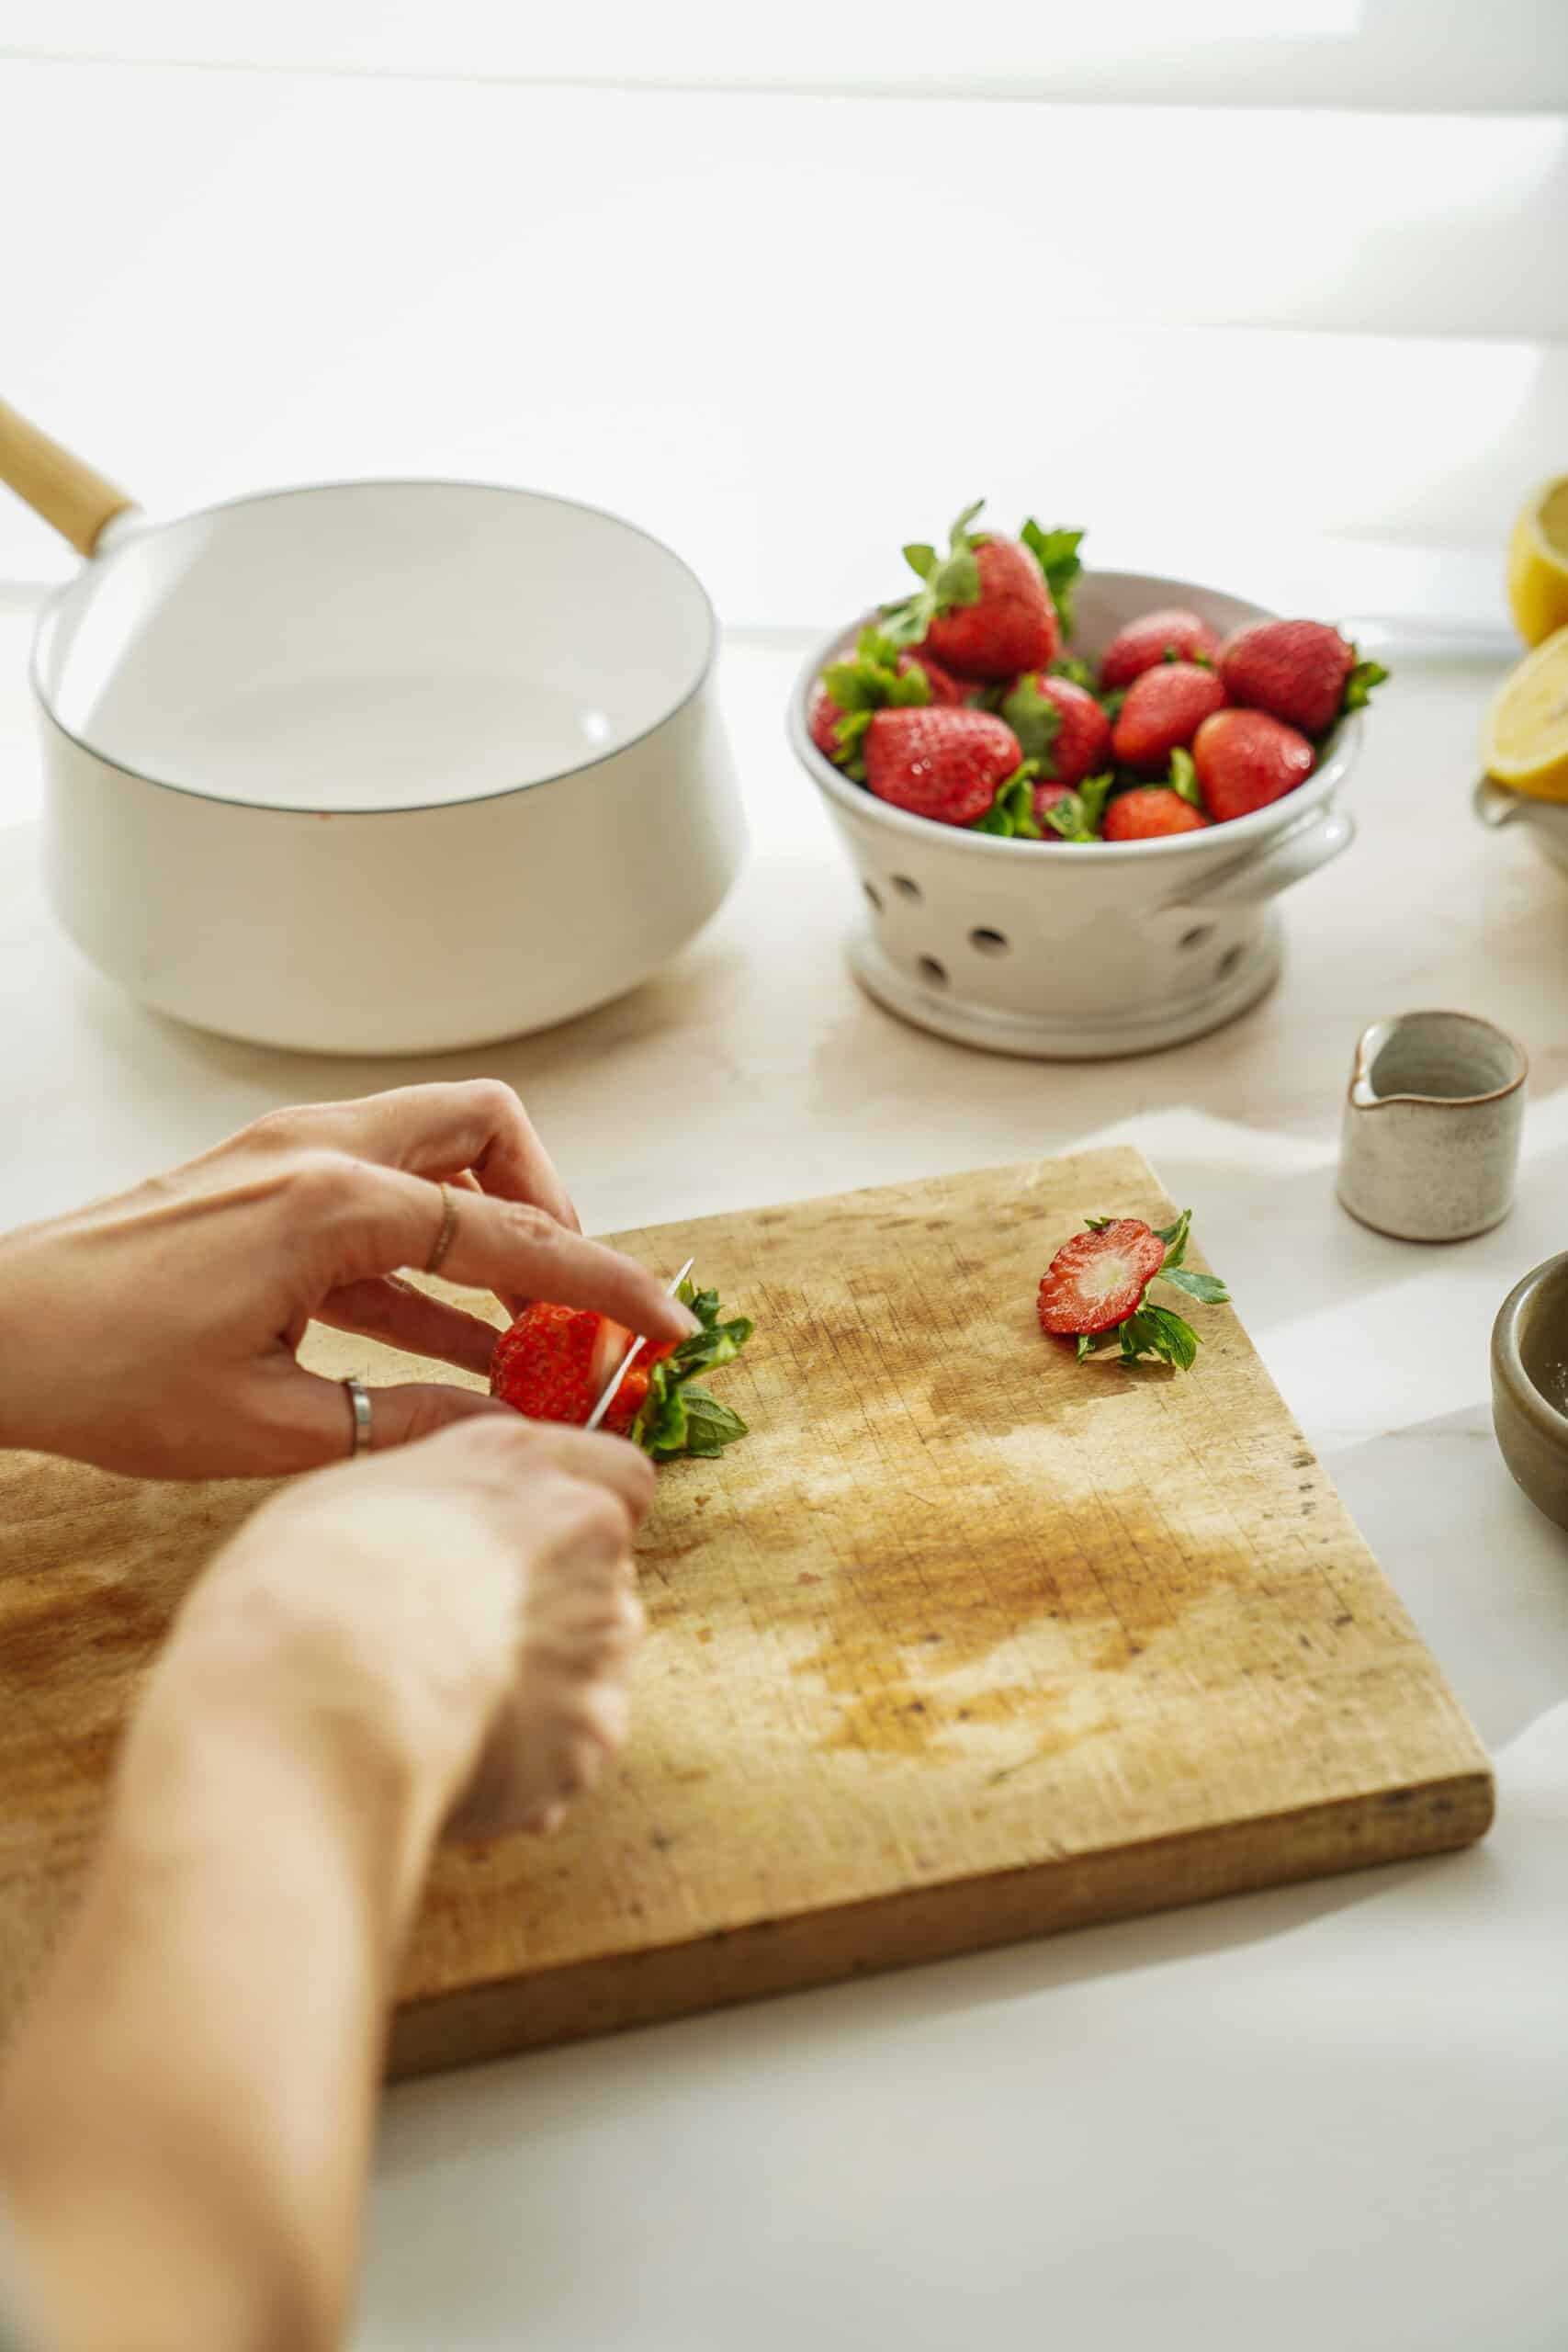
<point x="1330" y="2115"/>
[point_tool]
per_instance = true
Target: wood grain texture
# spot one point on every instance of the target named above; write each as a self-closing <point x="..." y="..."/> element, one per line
<point x="965" y="1643"/>
<point x="71" y="496"/>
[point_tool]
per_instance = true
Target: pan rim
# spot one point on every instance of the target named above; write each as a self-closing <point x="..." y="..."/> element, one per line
<point x="578" y="769"/>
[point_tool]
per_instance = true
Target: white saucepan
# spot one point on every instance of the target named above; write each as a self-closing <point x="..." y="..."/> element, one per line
<point x="376" y="767"/>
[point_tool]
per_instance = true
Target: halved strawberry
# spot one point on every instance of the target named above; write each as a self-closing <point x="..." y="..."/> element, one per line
<point x="1096" y="1280"/>
<point x="553" y="1364"/>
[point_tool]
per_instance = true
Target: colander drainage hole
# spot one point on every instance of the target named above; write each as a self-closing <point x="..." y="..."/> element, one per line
<point x="990" y="943"/>
<point x="1227" y="963"/>
<point x="930" y="969"/>
<point x="1197" y="936"/>
<point x="874" y="894"/>
<point x="906" y="888"/>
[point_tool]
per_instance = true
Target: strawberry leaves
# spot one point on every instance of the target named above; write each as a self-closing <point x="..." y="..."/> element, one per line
<point x="1183" y="780"/>
<point x="872" y="681"/>
<point x="1011" y="814"/>
<point x="1056" y="553"/>
<point x="1078" y="815"/>
<point x="946" y="582"/>
<point x="1034" y="719"/>
<point x="677" y="1417"/>
<point x="1156" y="1330"/>
<point x="1359" y="684"/>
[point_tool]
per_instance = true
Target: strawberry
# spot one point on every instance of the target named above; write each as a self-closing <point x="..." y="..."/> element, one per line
<point x="1172" y="636"/>
<point x="827" y="711"/>
<point x="1097" y="1279"/>
<point x="1098" y="1283"/>
<point x="1059" y="724"/>
<point x="1301" y="672"/>
<point x="986" y="609"/>
<point x="878" y="676"/>
<point x="1149" y="813"/>
<point x="1245" y="760"/>
<point x="1164" y="709"/>
<point x="823" y="719"/>
<point x="554" y="1362"/>
<point x="949" y="765"/>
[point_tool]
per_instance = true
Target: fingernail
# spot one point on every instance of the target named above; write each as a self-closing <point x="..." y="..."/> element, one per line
<point x="689" y="1323"/>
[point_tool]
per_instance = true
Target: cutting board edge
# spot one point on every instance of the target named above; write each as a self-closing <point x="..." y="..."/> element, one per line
<point x="651" y="1984"/>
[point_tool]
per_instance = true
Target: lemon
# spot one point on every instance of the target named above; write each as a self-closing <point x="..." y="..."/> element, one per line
<point x="1525" y="740"/>
<point x="1537" y="563"/>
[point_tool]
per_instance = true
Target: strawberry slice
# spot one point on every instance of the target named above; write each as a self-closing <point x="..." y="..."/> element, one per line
<point x="1096" y="1280"/>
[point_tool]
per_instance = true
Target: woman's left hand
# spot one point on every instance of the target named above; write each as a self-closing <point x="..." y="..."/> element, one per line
<point x="157" y="1333"/>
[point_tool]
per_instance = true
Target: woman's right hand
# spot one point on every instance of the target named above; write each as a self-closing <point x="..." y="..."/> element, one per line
<point x="462" y="1608"/>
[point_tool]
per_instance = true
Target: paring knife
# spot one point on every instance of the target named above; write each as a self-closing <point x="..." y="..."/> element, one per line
<point x="603" y="1406"/>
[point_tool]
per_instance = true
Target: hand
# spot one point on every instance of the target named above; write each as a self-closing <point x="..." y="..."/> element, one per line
<point x="157" y="1333"/>
<point x="465" y="1610"/>
<point x="187" y="2113"/>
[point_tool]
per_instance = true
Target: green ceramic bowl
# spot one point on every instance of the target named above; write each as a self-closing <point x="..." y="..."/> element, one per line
<point x="1529" y="1385"/>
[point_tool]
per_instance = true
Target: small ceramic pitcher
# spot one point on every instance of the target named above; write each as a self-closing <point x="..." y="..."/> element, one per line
<point x="1431" y="1140"/>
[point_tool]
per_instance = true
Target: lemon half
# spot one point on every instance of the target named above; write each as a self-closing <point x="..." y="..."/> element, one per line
<point x="1525" y="741"/>
<point x="1538" y="564"/>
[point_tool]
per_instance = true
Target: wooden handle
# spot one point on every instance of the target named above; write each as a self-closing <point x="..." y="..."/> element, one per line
<point x="67" y="494"/>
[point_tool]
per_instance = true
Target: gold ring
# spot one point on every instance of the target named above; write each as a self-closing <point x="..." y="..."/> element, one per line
<point x="448" y="1228"/>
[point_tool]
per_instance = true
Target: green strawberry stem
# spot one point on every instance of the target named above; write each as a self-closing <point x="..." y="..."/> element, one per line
<point x="1359" y="684"/>
<point x="678" y="1417"/>
<point x="1079" y="814"/>
<point x="1183" y="780"/>
<point x="1011" y="814"/>
<point x="872" y="681"/>
<point x="1056" y="553"/>
<point x="1155" y="1330"/>
<point x="1035" y="720"/>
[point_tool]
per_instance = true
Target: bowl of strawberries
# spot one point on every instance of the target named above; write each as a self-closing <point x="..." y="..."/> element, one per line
<point x="1071" y="796"/>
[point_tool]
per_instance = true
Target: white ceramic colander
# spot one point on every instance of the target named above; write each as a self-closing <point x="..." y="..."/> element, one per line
<point x="1077" y="951"/>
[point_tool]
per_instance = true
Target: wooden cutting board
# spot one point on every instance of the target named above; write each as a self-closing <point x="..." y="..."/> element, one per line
<point x="967" y="1642"/>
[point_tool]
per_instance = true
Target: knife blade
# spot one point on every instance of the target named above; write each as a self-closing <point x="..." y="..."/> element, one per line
<point x="603" y="1406"/>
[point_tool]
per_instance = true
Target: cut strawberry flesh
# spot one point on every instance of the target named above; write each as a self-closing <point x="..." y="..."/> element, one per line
<point x="1096" y="1280"/>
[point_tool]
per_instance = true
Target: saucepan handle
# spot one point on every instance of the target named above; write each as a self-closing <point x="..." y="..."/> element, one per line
<point x="1289" y="858"/>
<point x="79" y="503"/>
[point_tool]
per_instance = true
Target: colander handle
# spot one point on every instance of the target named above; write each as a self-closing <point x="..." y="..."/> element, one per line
<point x="1289" y="858"/>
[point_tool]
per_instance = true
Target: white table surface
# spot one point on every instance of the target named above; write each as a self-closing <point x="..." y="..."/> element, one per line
<point x="1333" y="2115"/>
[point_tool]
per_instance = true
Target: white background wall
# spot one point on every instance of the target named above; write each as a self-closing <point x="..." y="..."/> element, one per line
<point x="1222" y="281"/>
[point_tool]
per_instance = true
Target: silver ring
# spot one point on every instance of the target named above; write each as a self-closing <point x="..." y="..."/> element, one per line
<point x="448" y="1228"/>
<point x="359" y="1398"/>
